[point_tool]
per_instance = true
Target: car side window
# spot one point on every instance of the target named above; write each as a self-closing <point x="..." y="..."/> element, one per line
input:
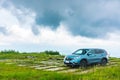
<point x="91" y="51"/>
<point x="98" y="51"/>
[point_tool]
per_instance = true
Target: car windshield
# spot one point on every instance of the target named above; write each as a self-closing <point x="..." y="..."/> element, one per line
<point x="81" y="51"/>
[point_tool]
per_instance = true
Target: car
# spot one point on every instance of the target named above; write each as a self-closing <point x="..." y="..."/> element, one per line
<point x="87" y="56"/>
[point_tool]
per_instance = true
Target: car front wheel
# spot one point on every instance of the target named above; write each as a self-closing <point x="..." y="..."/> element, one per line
<point x="103" y="62"/>
<point x="83" y="64"/>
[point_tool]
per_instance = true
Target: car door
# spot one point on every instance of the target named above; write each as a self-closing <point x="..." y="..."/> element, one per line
<point x="92" y="58"/>
<point x="99" y="54"/>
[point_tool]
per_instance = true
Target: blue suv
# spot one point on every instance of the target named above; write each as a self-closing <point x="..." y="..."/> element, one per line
<point x="84" y="57"/>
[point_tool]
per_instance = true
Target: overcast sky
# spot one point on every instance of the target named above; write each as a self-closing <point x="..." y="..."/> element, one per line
<point x="60" y="25"/>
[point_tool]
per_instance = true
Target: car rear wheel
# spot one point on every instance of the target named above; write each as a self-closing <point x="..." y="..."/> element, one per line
<point x="103" y="62"/>
<point x="83" y="64"/>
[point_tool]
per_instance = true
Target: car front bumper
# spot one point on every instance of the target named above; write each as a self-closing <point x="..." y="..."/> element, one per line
<point x="69" y="63"/>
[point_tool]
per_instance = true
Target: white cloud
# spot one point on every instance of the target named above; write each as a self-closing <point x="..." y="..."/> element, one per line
<point x="7" y="18"/>
<point x="106" y="9"/>
<point x="19" y="29"/>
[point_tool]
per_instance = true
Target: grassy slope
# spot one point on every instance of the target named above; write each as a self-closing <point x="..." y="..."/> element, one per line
<point x="14" y="72"/>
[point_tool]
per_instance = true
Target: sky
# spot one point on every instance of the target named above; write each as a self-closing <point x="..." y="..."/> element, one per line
<point x="60" y="25"/>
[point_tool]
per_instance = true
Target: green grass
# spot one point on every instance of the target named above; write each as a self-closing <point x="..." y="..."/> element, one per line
<point x="15" y="72"/>
<point x="105" y="73"/>
<point x="30" y="58"/>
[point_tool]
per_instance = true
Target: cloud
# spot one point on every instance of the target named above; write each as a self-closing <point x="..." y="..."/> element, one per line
<point x="15" y="25"/>
<point x="49" y="18"/>
<point x="82" y="17"/>
<point x="3" y="30"/>
<point x="38" y="26"/>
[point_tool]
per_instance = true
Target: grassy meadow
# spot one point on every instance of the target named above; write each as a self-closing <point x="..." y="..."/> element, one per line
<point x="49" y="65"/>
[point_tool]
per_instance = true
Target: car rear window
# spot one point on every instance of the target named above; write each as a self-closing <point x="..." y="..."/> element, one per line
<point x="98" y="51"/>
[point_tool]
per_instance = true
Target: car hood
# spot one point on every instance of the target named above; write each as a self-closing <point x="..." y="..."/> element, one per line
<point x="72" y="56"/>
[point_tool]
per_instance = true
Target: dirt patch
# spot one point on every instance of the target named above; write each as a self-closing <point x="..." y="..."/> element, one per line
<point x="45" y="67"/>
<point x="21" y="65"/>
<point x="49" y="63"/>
<point x="55" y="69"/>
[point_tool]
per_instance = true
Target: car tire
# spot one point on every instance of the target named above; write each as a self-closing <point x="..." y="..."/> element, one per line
<point x="103" y="62"/>
<point x="72" y="66"/>
<point x="83" y="64"/>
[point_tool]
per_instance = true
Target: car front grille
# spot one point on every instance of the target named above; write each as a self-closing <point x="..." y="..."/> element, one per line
<point x="68" y="59"/>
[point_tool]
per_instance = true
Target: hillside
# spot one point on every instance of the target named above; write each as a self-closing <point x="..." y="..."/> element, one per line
<point x="34" y="66"/>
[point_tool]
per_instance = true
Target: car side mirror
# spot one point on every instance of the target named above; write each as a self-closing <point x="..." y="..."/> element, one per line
<point x="89" y="54"/>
